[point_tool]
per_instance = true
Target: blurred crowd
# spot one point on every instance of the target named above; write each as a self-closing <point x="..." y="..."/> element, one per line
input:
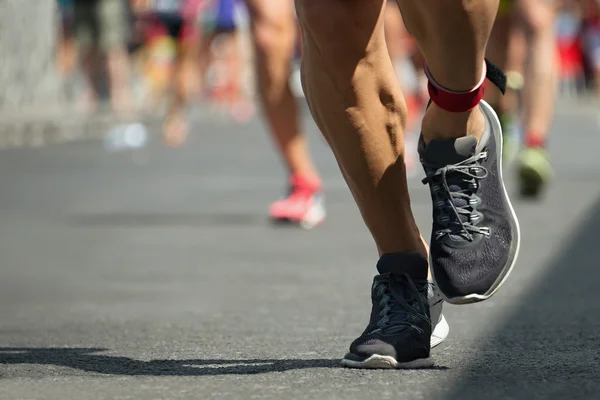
<point x="156" y="56"/>
<point x="163" y="56"/>
<point x="143" y="54"/>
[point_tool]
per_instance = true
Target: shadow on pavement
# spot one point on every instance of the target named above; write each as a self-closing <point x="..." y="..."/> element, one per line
<point x="84" y="359"/>
<point x="548" y="347"/>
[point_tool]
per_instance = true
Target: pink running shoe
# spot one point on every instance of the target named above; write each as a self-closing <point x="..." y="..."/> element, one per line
<point x="304" y="205"/>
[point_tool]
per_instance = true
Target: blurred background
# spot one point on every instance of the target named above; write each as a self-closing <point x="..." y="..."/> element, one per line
<point x="136" y="58"/>
<point x="150" y="60"/>
<point x="143" y="145"/>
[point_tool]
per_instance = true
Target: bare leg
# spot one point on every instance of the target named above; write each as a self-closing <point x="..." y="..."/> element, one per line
<point x="452" y="36"/>
<point x="539" y="94"/>
<point x="498" y="53"/>
<point x="111" y="17"/>
<point x="398" y="44"/>
<point x="274" y="33"/>
<point x="504" y="50"/>
<point x="232" y="62"/>
<point x="397" y="40"/>
<point x="355" y="99"/>
<point x="205" y="57"/>
<point x="176" y="128"/>
<point x="394" y="31"/>
<point x="540" y="74"/>
<point x="461" y="151"/>
<point x="91" y="62"/>
<point x="119" y="76"/>
<point x="515" y="65"/>
<point x="67" y="56"/>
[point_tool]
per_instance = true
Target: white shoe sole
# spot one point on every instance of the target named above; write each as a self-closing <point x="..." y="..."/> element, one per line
<point x="475" y="298"/>
<point x="439" y="334"/>
<point x="387" y="362"/>
<point x="314" y="217"/>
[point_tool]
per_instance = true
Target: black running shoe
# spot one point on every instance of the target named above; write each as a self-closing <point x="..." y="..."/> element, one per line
<point x="399" y="334"/>
<point x="475" y="235"/>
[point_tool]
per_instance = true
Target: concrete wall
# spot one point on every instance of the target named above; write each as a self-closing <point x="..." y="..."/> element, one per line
<point x="28" y="35"/>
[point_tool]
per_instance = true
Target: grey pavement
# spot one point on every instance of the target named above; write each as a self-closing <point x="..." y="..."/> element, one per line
<point x="155" y="275"/>
<point x="47" y="126"/>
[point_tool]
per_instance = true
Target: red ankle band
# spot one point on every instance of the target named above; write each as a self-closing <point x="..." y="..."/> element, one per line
<point x="455" y="101"/>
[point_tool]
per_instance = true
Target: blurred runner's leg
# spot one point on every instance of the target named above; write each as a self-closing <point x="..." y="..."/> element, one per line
<point x="540" y="90"/>
<point x="273" y="29"/>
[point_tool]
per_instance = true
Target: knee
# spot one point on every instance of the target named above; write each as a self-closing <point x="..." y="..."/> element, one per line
<point x="273" y="29"/>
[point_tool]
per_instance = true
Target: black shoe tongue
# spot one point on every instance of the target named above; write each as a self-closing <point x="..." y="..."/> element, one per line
<point x="413" y="264"/>
<point x="448" y="151"/>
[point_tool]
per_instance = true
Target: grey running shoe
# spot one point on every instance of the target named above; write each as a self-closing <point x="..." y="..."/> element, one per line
<point x="475" y="236"/>
<point x="399" y="334"/>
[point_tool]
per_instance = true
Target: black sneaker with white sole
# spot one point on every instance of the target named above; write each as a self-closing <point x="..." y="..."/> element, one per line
<point x="404" y="304"/>
<point x="475" y="236"/>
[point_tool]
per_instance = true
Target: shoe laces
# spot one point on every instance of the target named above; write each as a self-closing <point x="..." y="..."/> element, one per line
<point x="454" y="187"/>
<point x="401" y="304"/>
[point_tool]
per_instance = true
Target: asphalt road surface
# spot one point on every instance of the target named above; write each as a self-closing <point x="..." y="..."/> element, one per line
<point x="156" y="276"/>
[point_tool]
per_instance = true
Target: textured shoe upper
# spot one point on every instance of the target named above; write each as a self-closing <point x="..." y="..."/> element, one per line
<point x="454" y="171"/>
<point x="400" y="324"/>
<point x="471" y="232"/>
